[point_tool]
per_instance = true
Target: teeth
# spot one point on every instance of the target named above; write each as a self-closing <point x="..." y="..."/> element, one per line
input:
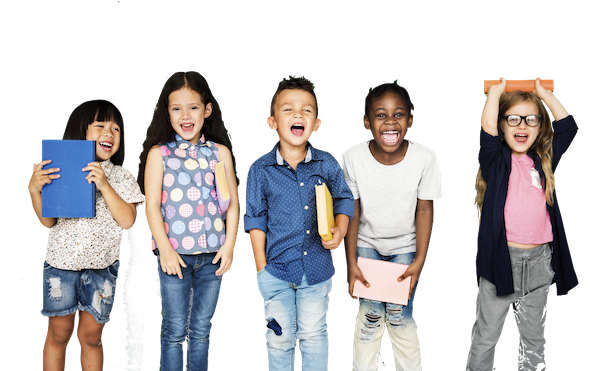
<point x="390" y="132"/>
<point x="106" y="144"/>
<point x="521" y="135"/>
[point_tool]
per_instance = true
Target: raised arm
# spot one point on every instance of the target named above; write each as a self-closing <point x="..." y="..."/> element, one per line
<point x="489" y="117"/>
<point x="39" y="179"/>
<point x="558" y="111"/>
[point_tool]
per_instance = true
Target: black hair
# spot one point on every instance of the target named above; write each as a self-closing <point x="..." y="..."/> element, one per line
<point x="160" y="130"/>
<point x="294" y="82"/>
<point x="379" y="90"/>
<point x="95" y="110"/>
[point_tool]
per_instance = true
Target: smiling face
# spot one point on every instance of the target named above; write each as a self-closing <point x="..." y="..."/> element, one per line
<point x="520" y="138"/>
<point x="294" y="117"/>
<point x="107" y="135"/>
<point x="187" y="113"/>
<point x="389" y="119"/>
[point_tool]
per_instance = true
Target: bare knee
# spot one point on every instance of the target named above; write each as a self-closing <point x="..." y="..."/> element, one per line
<point x="60" y="329"/>
<point x="89" y="332"/>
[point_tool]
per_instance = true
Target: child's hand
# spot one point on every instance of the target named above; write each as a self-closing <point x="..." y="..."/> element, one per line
<point x="96" y="175"/>
<point x="498" y="89"/>
<point x="354" y="273"/>
<point x="335" y="240"/>
<point x="171" y="262"/>
<point x="540" y="91"/>
<point x="413" y="271"/>
<point x="225" y="254"/>
<point x="41" y="177"/>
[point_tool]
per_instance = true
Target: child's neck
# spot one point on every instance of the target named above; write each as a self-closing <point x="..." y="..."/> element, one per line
<point x="388" y="158"/>
<point x="293" y="155"/>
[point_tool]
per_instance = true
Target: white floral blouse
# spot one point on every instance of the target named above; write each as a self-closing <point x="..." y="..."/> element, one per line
<point x="93" y="243"/>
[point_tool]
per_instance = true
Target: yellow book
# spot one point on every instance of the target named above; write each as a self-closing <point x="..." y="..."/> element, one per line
<point x="222" y="188"/>
<point x="325" y="218"/>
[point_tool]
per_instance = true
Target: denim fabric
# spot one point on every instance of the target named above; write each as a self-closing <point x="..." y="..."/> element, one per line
<point x="188" y="305"/>
<point x="532" y="276"/>
<point x="295" y="312"/>
<point x="370" y="321"/>
<point x="90" y="290"/>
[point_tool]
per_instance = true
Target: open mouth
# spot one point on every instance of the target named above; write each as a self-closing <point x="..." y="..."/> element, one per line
<point x="107" y="146"/>
<point x="521" y="138"/>
<point x="297" y="129"/>
<point x="390" y="136"/>
<point x="187" y="127"/>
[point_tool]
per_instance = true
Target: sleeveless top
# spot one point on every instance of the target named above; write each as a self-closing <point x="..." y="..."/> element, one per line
<point x="189" y="207"/>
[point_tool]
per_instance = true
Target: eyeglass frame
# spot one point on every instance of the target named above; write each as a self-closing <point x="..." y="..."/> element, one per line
<point x="523" y="117"/>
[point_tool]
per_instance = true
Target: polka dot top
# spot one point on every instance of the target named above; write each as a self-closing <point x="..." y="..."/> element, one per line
<point x="189" y="207"/>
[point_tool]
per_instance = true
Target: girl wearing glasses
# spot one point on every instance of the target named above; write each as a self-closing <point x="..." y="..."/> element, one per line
<point x="522" y="247"/>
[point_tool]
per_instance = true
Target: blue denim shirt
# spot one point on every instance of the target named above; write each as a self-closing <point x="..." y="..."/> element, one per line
<point x="281" y="202"/>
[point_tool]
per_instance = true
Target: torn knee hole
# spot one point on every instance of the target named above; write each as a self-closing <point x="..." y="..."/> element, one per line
<point x="55" y="291"/>
<point x="273" y="325"/>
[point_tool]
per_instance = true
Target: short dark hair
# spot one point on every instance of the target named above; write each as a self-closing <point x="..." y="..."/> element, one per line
<point x="379" y="90"/>
<point x="95" y="110"/>
<point x="301" y="83"/>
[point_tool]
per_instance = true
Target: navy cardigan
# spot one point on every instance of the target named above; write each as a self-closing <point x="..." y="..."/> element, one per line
<point x="493" y="260"/>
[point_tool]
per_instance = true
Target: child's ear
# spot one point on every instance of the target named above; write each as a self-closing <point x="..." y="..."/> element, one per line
<point x="367" y="123"/>
<point x="272" y="123"/>
<point x="410" y="118"/>
<point x="317" y="125"/>
<point x="207" y="110"/>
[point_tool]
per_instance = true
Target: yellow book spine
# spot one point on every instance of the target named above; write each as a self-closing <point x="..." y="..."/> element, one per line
<point x="325" y="218"/>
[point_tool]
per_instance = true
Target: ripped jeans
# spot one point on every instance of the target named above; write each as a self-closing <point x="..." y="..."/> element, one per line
<point x="370" y="321"/>
<point x="295" y="312"/>
<point x="90" y="290"/>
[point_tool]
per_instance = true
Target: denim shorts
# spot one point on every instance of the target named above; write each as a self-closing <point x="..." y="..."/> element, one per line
<point x="90" y="290"/>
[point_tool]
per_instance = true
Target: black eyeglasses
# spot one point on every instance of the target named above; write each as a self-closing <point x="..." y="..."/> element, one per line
<point x="515" y="120"/>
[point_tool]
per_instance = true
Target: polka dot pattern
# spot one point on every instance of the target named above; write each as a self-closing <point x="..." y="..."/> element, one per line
<point x="192" y="220"/>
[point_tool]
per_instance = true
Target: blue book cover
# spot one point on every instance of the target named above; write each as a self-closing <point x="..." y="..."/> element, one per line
<point x="69" y="196"/>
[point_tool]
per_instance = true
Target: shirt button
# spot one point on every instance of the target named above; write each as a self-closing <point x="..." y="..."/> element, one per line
<point x="301" y="184"/>
<point x="305" y="253"/>
<point x="305" y="207"/>
<point x="308" y="231"/>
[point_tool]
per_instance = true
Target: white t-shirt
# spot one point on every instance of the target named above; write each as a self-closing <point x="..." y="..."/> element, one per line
<point x="388" y="195"/>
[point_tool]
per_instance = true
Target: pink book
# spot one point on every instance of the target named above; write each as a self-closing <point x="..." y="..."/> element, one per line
<point x="383" y="281"/>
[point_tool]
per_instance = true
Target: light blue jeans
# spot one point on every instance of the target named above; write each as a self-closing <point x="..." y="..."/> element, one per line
<point x="373" y="316"/>
<point x="188" y="305"/>
<point x="295" y="312"/>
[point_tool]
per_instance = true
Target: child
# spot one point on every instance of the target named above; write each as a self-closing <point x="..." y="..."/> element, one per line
<point x="185" y="140"/>
<point x="294" y="264"/>
<point x="394" y="183"/>
<point x="522" y="247"/>
<point x="80" y="272"/>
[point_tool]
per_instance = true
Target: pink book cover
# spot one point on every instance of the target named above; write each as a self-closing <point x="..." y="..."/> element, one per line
<point x="383" y="281"/>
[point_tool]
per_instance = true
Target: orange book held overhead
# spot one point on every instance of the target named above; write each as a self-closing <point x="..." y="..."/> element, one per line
<point x="525" y="85"/>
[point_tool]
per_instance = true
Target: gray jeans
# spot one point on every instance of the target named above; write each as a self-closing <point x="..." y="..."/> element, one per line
<point x="532" y="277"/>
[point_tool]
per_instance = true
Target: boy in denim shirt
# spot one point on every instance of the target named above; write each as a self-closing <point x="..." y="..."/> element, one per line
<point x="294" y="264"/>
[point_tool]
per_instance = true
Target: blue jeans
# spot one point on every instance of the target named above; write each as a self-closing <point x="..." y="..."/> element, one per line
<point x="295" y="312"/>
<point x="188" y="305"/>
<point x="90" y="290"/>
<point x="374" y="316"/>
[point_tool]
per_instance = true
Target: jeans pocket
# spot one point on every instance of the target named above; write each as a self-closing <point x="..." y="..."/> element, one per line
<point x="113" y="269"/>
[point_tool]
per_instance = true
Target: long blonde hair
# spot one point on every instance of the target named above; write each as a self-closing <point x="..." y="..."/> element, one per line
<point x="542" y="145"/>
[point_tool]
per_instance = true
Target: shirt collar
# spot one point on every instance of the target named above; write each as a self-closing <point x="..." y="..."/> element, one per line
<point x="277" y="159"/>
<point x="184" y="144"/>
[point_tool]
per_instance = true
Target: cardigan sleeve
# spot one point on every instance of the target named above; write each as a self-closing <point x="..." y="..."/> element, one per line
<point x="564" y="133"/>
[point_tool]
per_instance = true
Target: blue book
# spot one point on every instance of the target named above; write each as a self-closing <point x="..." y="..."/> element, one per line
<point x="69" y="196"/>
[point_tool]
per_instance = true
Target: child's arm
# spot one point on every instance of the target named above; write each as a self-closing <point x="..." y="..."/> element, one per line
<point x="170" y="261"/>
<point x="424" y="223"/>
<point x="258" y="238"/>
<point x="123" y="212"/>
<point x="489" y="117"/>
<point x="225" y="253"/>
<point x="558" y="111"/>
<point x="39" y="179"/>
<point x="350" y="242"/>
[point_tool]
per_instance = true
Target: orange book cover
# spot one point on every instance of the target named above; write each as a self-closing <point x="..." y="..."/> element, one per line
<point x="525" y="85"/>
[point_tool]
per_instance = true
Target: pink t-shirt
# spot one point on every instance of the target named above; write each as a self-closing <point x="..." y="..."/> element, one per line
<point x="525" y="215"/>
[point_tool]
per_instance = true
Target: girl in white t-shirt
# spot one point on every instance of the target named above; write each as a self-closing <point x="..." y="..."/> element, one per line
<point x="81" y="265"/>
